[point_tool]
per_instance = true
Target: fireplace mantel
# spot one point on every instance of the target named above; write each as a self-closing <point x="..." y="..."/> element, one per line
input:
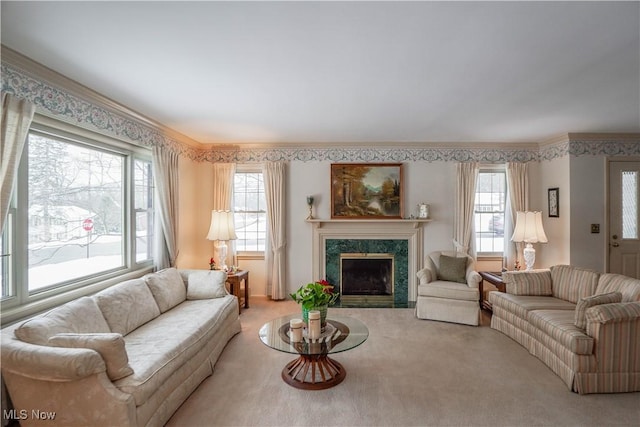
<point x="415" y="222"/>
<point x="411" y="230"/>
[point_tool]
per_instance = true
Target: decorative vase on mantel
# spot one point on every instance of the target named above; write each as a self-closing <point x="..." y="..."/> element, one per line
<point x="323" y="314"/>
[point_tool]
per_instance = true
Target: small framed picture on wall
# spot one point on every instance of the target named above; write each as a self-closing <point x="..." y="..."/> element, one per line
<point x="554" y="202"/>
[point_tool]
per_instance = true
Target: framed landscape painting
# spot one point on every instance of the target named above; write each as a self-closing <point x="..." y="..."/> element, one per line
<point x="366" y="190"/>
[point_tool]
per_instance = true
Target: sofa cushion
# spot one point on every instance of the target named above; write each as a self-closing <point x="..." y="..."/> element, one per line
<point x="79" y="316"/>
<point x="127" y="305"/>
<point x="587" y="302"/>
<point x="627" y="286"/>
<point x="207" y="284"/>
<point x="156" y="350"/>
<point x="450" y="290"/>
<point x="109" y="345"/>
<point x="536" y="282"/>
<point x="572" y="283"/>
<point x="558" y="326"/>
<point x="452" y="269"/>
<point x="167" y="288"/>
<point x="521" y="305"/>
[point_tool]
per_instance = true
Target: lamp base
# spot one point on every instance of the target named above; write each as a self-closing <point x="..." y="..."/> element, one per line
<point x="221" y="249"/>
<point x="529" y="256"/>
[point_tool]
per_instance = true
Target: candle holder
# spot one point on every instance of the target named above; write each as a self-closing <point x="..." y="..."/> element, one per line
<point x="310" y="204"/>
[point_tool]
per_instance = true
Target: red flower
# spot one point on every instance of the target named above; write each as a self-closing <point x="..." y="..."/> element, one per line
<point x="327" y="287"/>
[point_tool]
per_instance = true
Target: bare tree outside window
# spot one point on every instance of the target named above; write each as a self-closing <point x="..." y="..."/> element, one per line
<point x="75" y="211"/>
<point x="250" y="211"/>
<point x="143" y="206"/>
<point x="5" y="256"/>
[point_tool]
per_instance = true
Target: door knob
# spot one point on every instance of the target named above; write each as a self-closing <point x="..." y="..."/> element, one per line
<point x="615" y="244"/>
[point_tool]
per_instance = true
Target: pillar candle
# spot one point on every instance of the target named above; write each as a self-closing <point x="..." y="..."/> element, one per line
<point x="295" y="325"/>
<point x="314" y="324"/>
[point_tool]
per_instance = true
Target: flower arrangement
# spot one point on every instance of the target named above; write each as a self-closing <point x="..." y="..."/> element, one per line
<point x="212" y="264"/>
<point x="315" y="294"/>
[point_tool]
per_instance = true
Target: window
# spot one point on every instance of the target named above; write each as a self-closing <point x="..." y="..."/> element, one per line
<point x="489" y="212"/>
<point x="143" y="206"/>
<point x="83" y="213"/>
<point x="75" y="211"/>
<point x="5" y="256"/>
<point x="629" y="205"/>
<point x="250" y="211"/>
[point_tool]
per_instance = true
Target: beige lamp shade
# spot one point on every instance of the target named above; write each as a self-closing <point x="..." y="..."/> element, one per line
<point x="529" y="228"/>
<point x="222" y="226"/>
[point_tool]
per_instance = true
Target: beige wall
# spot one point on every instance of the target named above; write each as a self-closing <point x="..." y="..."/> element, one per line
<point x="582" y="202"/>
<point x="432" y="183"/>
<point x="196" y="202"/>
<point x="588" y="206"/>
<point x="555" y="173"/>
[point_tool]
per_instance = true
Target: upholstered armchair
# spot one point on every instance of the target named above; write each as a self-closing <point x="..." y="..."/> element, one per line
<point x="448" y="289"/>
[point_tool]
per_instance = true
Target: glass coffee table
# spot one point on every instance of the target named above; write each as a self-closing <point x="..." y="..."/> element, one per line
<point x="314" y="369"/>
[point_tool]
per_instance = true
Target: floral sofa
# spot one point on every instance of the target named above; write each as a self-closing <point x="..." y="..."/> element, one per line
<point x="129" y="355"/>
<point x="585" y="326"/>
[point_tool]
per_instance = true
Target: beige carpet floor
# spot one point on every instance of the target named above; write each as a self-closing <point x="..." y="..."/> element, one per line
<point x="409" y="372"/>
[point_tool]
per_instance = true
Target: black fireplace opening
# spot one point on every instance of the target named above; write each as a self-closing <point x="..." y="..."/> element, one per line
<point x="366" y="275"/>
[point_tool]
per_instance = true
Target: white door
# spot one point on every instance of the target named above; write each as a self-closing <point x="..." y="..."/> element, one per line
<point x="624" y="218"/>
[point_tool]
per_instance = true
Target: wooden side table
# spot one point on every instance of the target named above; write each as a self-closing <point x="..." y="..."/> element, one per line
<point x="495" y="278"/>
<point x="236" y="281"/>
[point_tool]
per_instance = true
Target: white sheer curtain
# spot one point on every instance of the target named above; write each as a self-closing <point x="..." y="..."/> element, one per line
<point x="463" y="229"/>
<point x="518" y="190"/>
<point x="16" y="115"/>
<point x="165" y="174"/>
<point x="275" y="255"/>
<point x="223" y="174"/>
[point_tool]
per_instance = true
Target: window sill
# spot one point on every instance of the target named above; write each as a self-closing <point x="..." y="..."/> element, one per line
<point x="20" y="312"/>
<point x="250" y="256"/>
<point x="490" y="257"/>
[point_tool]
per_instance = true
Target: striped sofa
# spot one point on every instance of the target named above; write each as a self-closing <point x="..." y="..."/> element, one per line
<point x="583" y="325"/>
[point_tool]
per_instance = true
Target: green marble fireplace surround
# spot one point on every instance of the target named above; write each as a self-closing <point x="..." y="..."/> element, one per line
<point x="398" y="247"/>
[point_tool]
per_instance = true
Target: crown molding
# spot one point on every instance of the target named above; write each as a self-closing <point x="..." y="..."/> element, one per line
<point x="390" y="145"/>
<point x="604" y="137"/>
<point x="559" y="139"/>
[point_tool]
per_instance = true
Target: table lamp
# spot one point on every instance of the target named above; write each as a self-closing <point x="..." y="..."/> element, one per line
<point x="529" y="230"/>
<point x="222" y="229"/>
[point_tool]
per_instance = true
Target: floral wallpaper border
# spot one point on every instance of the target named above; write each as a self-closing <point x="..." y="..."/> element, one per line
<point x="356" y="154"/>
<point x="54" y="101"/>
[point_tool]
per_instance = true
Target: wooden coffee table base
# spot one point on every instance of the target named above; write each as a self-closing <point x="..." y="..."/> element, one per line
<point x="313" y="372"/>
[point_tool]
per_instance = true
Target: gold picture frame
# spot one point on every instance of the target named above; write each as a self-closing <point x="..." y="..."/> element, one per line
<point x="367" y="191"/>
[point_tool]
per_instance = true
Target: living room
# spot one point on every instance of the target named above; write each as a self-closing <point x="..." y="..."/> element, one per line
<point x="563" y="100"/>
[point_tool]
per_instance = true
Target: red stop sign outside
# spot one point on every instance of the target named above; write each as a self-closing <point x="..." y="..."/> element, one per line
<point x="87" y="224"/>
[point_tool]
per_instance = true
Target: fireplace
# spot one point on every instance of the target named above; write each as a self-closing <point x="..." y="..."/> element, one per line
<point x="402" y="239"/>
<point x="366" y="277"/>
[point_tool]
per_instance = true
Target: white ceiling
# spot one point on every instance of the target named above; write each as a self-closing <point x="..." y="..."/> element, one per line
<point x="348" y="72"/>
